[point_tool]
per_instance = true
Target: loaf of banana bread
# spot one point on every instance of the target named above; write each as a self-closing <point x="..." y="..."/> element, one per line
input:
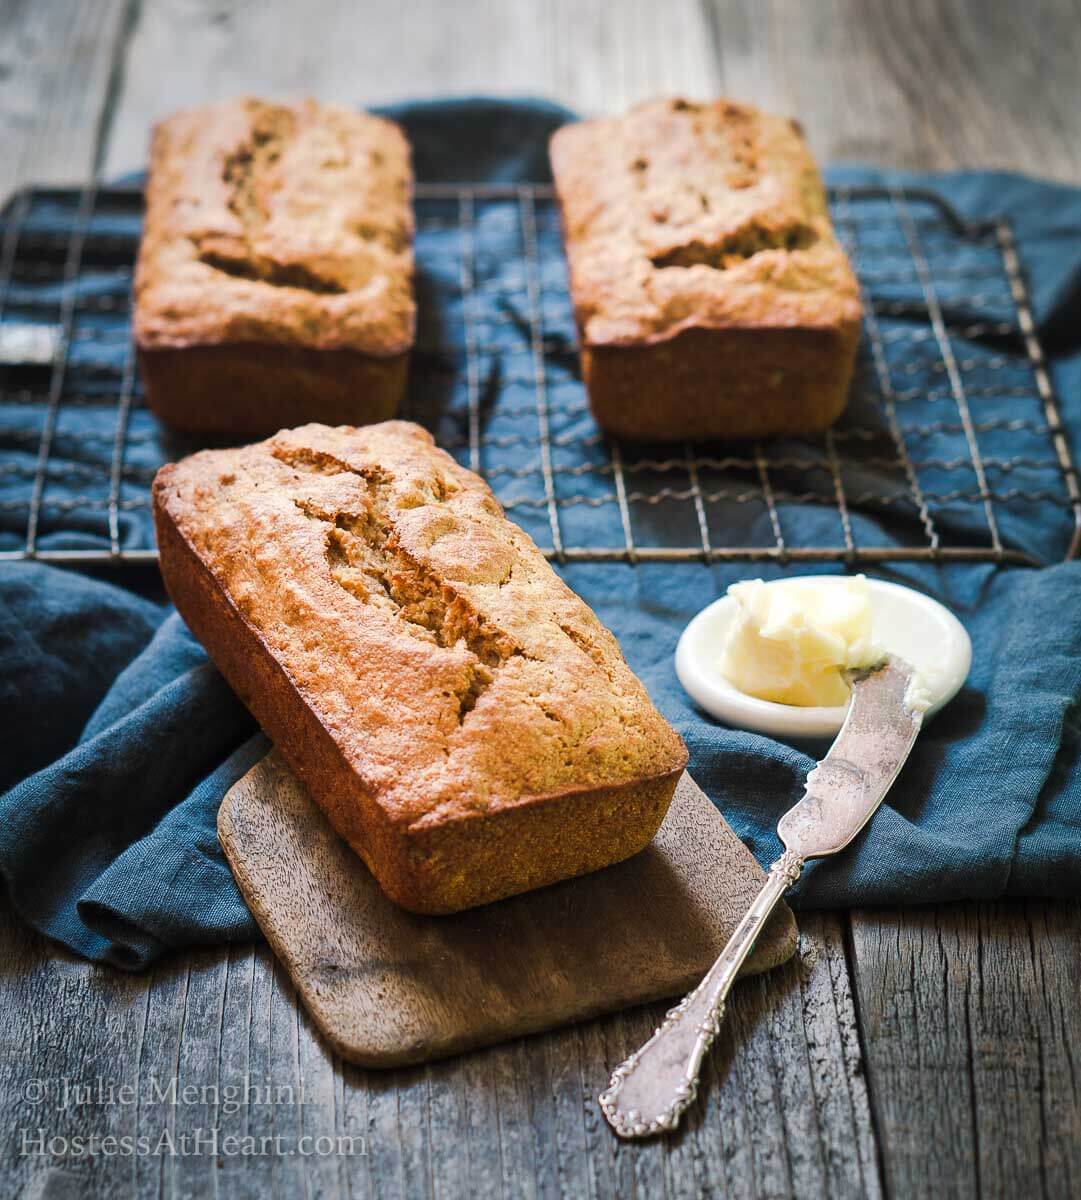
<point x="274" y="282"/>
<point x="463" y="718"/>
<point x="711" y="296"/>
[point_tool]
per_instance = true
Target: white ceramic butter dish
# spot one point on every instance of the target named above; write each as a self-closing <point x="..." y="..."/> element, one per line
<point x="906" y="623"/>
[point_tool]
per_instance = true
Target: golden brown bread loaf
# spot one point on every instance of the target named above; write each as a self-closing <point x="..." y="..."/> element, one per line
<point x="274" y="282"/>
<point x="711" y="296"/>
<point x="462" y="717"/>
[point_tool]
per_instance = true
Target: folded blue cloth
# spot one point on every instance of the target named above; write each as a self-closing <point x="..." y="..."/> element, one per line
<point x="120" y="739"/>
<point x="112" y="848"/>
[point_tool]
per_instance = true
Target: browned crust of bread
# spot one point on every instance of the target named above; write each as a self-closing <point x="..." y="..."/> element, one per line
<point x="742" y="383"/>
<point x="257" y="389"/>
<point x="711" y="296"/>
<point x="276" y="236"/>
<point x="468" y="840"/>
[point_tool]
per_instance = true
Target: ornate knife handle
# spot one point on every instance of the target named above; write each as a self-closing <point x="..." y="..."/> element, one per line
<point x="651" y="1090"/>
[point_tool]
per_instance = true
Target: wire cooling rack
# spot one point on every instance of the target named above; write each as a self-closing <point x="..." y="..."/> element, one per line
<point x="952" y="447"/>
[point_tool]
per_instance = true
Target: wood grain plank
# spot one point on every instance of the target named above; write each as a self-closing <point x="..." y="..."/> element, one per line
<point x="57" y="63"/>
<point x="414" y="1132"/>
<point x="26" y="977"/>
<point x="562" y="1071"/>
<point x="447" y="1110"/>
<point x="386" y="1155"/>
<point x="590" y="55"/>
<point x="235" y="1063"/>
<point x="320" y="1112"/>
<point x="925" y="85"/>
<point x="289" y="1172"/>
<point x="258" y="1122"/>
<point x="970" y="1022"/>
<point x="780" y="1113"/>
<point x="198" y="1069"/>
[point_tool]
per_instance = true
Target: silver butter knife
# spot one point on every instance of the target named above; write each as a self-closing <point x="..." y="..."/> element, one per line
<point x="649" y="1092"/>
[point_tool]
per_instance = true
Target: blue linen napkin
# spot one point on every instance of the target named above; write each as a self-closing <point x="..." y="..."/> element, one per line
<point x="120" y="739"/>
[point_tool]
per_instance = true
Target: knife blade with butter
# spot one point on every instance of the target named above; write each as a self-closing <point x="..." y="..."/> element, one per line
<point x="650" y="1091"/>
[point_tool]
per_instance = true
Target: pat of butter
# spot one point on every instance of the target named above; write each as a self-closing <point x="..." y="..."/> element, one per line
<point x="792" y="639"/>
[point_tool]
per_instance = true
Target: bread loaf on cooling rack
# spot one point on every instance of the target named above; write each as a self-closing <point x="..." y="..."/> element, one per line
<point x="274" y="283"/>
<point x="711" y="296"/>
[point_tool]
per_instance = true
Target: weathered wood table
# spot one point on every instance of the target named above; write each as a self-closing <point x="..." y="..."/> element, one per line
<point x="925" y="1052"/>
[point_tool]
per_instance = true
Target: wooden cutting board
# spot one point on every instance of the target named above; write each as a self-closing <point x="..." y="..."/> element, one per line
<point x="387" y="987"/>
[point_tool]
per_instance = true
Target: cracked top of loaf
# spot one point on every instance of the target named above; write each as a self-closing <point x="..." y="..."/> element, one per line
<point x="454" y="669"/>
<point x="275" y="223"/>
<point x="682" y="215"/>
